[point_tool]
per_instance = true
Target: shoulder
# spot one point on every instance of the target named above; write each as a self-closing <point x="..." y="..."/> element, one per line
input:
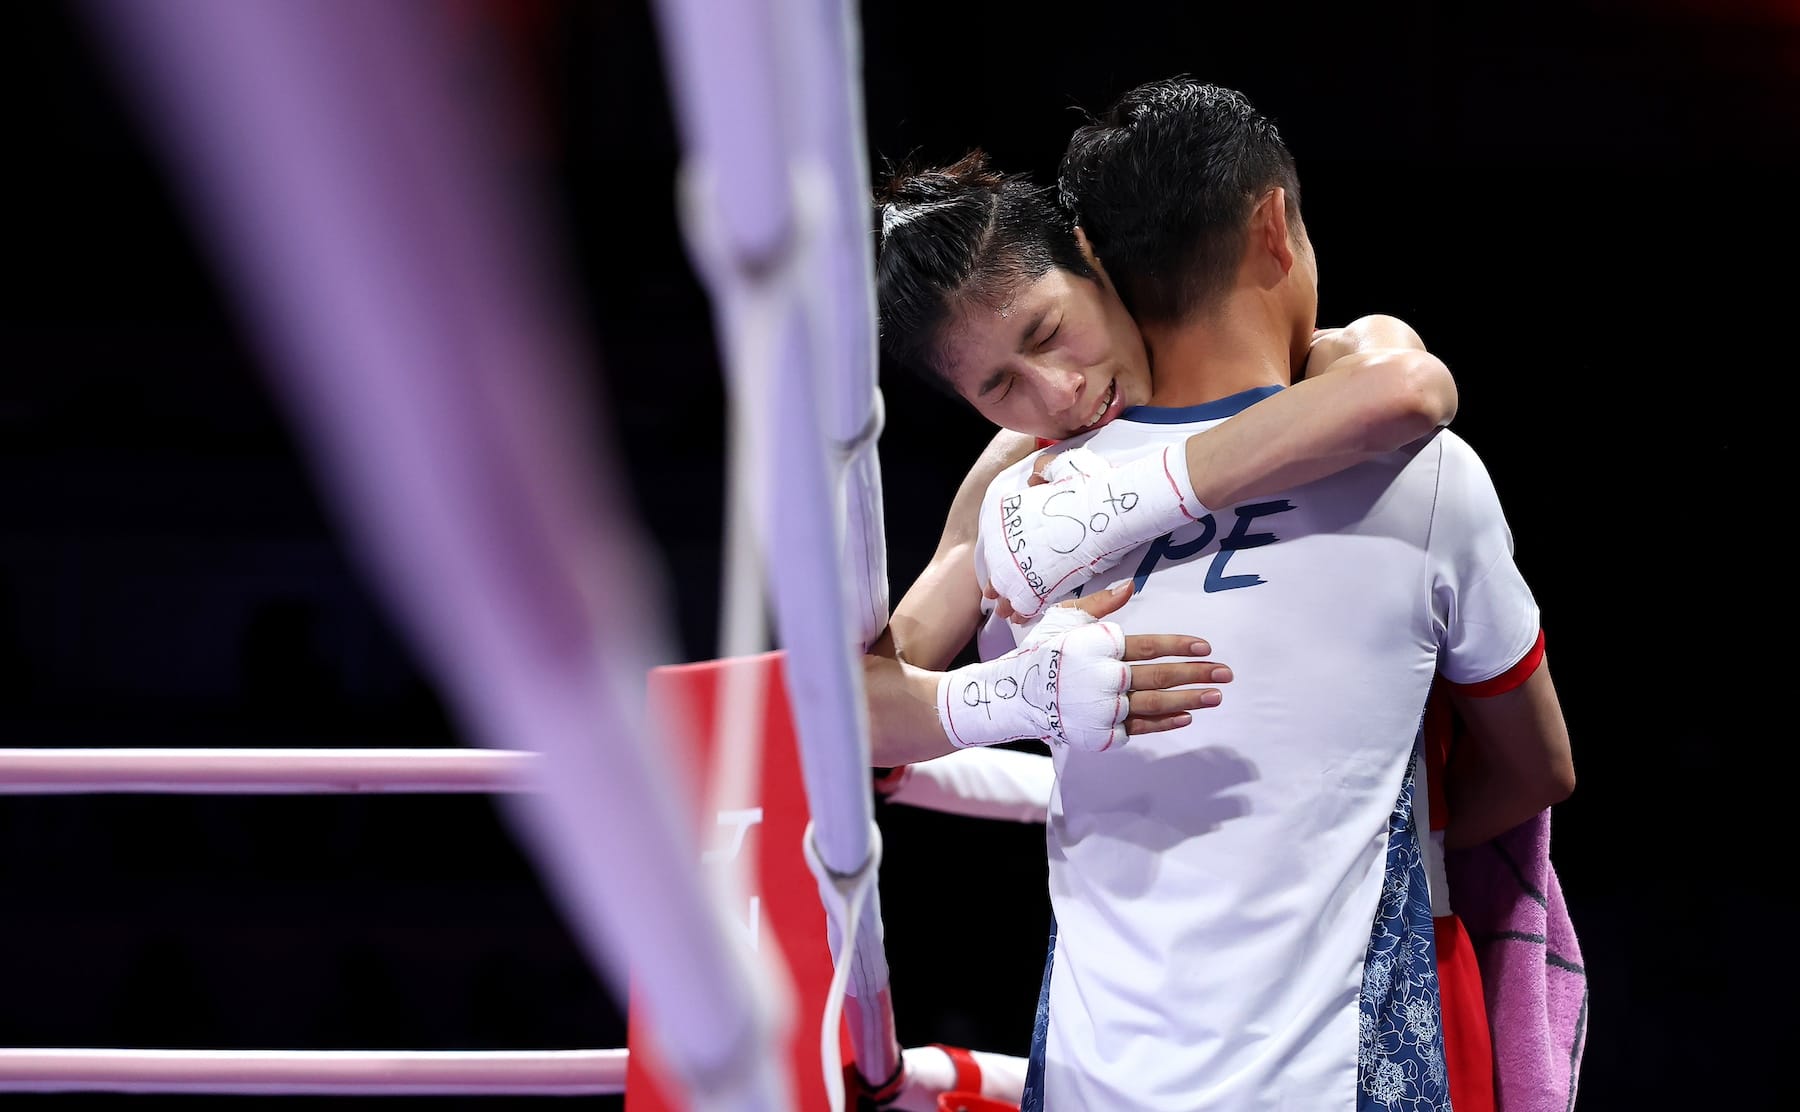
<point x="1006" y="450"/>
<point x="1467" y="511"/>
<point x="1003" y="451"/>
<point x="1457" y="459"/>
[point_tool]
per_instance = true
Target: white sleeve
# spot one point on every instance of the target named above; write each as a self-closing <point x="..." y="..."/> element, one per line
<point x="1483" y="613"/>
<point x="982" y="783"/>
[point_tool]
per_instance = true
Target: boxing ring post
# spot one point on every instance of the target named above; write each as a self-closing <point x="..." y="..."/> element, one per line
<point x="388" y="269"/>
<point x="774" y="191"/>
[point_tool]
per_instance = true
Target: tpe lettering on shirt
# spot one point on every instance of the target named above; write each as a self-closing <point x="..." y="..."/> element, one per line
<point x="1166" y="550"/>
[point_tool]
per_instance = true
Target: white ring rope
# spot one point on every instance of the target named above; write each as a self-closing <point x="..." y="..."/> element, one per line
<point x="263" y="771"/>
<point x="982" y="783"/>
<point x="373" y="1073"/>
<point x="323" y="1072"/>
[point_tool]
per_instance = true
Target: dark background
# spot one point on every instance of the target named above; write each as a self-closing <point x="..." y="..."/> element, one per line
<point x="1582" y="206"/>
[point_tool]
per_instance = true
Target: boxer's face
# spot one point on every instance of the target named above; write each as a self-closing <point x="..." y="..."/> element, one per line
<point x="1061" y="356"/>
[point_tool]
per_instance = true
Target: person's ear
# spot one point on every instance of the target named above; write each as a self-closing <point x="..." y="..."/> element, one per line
<point x="1269" y="228"/>
<point x="1093" y="260"/>
<point x="1087" y="249"/>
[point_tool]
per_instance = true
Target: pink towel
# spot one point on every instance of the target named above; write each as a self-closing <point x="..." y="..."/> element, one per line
<point x="1508" y="896"/>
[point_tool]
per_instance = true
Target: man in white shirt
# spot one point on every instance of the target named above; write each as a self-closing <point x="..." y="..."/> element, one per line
<point x="1242" y="913"/>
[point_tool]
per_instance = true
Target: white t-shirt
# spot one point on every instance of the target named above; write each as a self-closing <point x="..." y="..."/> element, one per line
<point x="1219" y="889"/>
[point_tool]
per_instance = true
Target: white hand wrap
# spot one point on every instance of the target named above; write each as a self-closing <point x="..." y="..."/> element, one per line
<point x="1067" y="684"/>
<point x="1038" y="543"/>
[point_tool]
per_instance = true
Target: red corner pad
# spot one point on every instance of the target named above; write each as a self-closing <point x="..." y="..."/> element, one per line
<point x="1509" y="679"/>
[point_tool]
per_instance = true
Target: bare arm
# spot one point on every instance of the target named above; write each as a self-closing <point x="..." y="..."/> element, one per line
<point x="1370" y="388"/>
<point x="1374" y="332"/>
<point x="935" y="618"/>
<point x="1513" y="762"/>
<point x="903" y="718"/>
<point x="942" y="609"/>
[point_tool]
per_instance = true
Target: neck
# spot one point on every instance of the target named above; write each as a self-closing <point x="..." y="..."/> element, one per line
<point x="1202" y="359"/>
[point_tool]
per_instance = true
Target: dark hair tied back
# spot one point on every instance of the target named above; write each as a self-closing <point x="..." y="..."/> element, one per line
<point x="958" y="233"/>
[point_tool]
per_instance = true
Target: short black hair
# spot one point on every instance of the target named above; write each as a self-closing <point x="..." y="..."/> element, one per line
<point x="1163" y="186"/>
<point x="952" y="233"/>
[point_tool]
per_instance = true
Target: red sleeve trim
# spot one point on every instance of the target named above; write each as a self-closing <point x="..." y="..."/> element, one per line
<point x="1510" y="678"/>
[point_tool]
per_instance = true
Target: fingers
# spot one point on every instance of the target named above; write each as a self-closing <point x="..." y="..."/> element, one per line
<point x="1002" y="607"/>
<point x="1158" y="711"/>
<point x="1137" y="725"/>
<point x="1157" y="704"/>
<point x="1161" y="677"/>
<point x="1154" y="712"/>
<point x="1101" y="603"/>
<point x="1038" y="478"/>
<point x="1150" y="646"/>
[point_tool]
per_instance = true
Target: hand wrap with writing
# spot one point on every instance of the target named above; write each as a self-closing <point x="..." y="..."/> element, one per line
<point x="1067" y="684"/>
<point x="1041" y="542"/>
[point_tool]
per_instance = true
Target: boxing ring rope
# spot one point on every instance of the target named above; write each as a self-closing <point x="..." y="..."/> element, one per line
<point x="378" y="1072"/>
<point x="392" y="281"/>
<point x="264" y="771"/>
<point x="1010" y="787"/>
<point x="1001" y="784"/>
<point x="317" y="1072"/>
